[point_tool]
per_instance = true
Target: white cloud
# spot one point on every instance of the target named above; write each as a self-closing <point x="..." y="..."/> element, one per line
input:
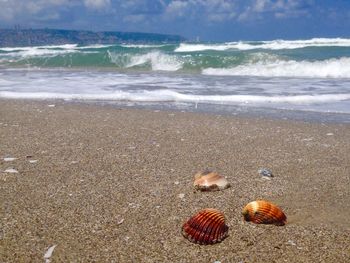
<point x="176" y="9"/>
<point x="97" y="4"/>
<point x="134" y="18"/>
<point x="278" y="8"/>
<point x="15" y="10"/>
<point x="212" y="10"/>
<point x="11" y="9"/>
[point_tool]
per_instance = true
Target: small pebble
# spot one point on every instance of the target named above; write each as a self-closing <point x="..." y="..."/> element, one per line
<point x="265" y="172"/>
<point x="33" y="161"/>
<point x="181" y="196"/>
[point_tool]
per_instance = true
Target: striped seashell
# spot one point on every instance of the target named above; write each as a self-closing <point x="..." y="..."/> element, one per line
<point x="206" y="227"/>
<point x="263" y="212"/>
<point x="210" y="181"/>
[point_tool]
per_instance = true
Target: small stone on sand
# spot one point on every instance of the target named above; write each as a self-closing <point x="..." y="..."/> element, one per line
<point x="181" y="196"/>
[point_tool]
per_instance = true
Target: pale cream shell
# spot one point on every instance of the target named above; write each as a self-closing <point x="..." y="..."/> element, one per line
<point x="210" y="181"/>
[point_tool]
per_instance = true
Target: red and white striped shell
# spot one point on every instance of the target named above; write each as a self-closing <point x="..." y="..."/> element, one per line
<point x="210" y="181"/>
<point x="206" y="227"/>
<point x="263" y="212"/>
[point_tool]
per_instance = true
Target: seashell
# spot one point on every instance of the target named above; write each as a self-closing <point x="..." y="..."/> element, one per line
<point x="263" y="212"/>
<point x="210" y="181"/>
<point x="206" y="227"/>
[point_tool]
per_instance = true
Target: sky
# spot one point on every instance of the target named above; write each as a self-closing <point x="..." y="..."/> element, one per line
<point x="205" y="20"/>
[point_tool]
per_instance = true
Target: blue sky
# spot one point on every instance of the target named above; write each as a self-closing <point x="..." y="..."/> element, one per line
<point x="210" y="20"/>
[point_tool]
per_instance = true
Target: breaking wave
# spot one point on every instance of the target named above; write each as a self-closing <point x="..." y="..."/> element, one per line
<point x="277" y="58"/>
<point x="332" y="68"/>
<point x="269" y="45"/>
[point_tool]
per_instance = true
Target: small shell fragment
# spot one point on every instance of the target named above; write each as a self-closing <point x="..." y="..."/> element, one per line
<point x="9" y="159"/>
<point x="206" y="227"/>
<point x="120" y="221"/>
<point x="210" y="181"/>
<point x="11" y="171"/>
<point x="263" y="212"/>
<point x="48" y="254"/>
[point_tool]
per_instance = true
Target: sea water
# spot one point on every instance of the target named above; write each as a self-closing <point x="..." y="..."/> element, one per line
<point x="296" y="75"/>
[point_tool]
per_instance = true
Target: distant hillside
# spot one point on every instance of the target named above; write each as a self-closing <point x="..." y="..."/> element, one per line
<point x="37" y="37"/>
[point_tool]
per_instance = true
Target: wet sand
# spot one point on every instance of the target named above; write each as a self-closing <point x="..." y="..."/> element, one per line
<point x="115" y="185"/>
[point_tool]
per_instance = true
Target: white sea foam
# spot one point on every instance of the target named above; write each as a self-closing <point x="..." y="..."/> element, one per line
<point x="27" y="52"/>
<point x="47" y="51"/>
<point x="272" y="45"/>
<point x="202" y="47"/>
<point x="157" y="87"/>
<point x="332" y="68"/>
<point x="158" y="61"/>
<point x="173" y="96"/>
<point x="141" y="46"/>
<point x="94" y="46"/>
<point x="66" y="46"/>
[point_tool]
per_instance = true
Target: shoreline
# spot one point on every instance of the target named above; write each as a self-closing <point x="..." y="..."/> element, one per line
<point x="115" y="184"/>
<point x="308" y="116"/>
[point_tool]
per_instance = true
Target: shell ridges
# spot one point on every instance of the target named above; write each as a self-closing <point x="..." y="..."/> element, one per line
<point x="206" y="227"/>
<point x="264" y="212"/>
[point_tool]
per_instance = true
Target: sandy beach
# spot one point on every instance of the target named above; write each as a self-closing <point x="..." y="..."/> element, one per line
<point x="108" y="184"/>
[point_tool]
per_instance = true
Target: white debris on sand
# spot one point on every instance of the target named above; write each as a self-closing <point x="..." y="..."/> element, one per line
<point x="181" y="196"/>
<point x="48" y="254"/>
<point x="9" y="159"/>
<point x="11" y="171"/>
<point x="33" y="161"/>
<point x="120" y="221"/>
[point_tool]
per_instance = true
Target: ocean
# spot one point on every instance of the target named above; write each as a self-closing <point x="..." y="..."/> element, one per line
<point x="309" y="76"/>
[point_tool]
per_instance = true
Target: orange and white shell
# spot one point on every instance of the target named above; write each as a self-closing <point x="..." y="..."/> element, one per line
<point x="206" y="227"/>
<point x="210" y="181"/>
<point x="263" y="212"/>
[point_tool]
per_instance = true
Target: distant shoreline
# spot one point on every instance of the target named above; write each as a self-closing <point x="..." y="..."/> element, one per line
<point x="205" y="108"/>
<point x="36" y="37"/>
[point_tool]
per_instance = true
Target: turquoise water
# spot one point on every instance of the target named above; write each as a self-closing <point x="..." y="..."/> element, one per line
<point x="309" y="58"/>
<point x="311" y="75"/>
